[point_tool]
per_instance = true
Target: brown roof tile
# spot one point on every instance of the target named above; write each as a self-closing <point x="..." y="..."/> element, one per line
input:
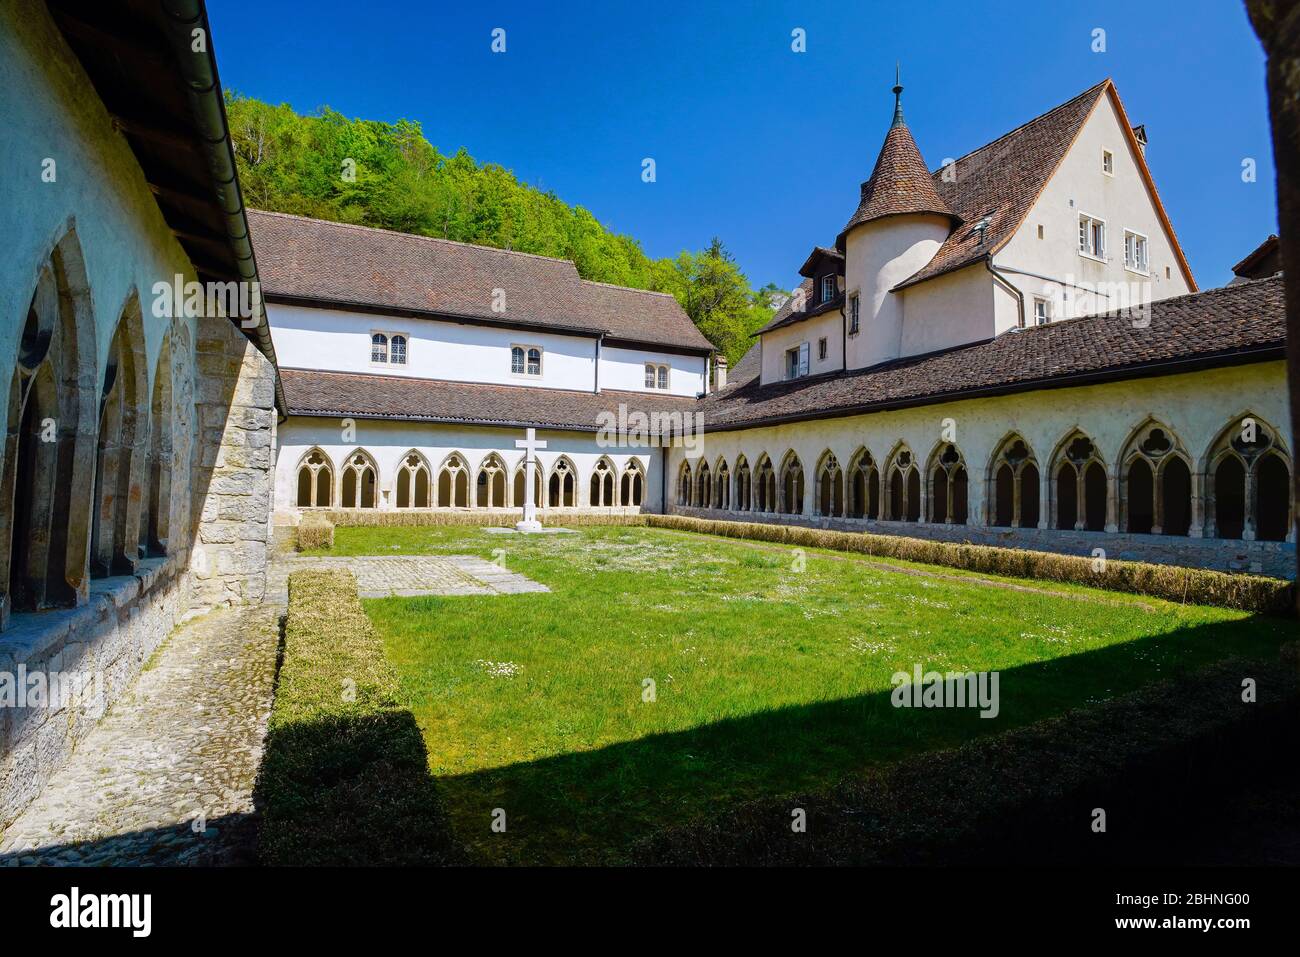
<point x="342" y="394"/>
<point x="1219" y="326"/>
<point x="348" y="265"/>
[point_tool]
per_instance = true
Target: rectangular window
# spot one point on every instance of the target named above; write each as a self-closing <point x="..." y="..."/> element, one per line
<point x="1042" y="311"/>
<point x="854" y="314"/>
<point x="792" y="363"/>
<point x="828" y="288"/>
<point x="1108" y="162"/>
<point x="1092" y="236"/>
<point x="1135" y="251"/>
<point x="803" y="358"/>
<point x="821" y="349"/>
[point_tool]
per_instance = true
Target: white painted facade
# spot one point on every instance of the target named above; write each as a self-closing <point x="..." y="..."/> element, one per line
<point x="338" y="340"/>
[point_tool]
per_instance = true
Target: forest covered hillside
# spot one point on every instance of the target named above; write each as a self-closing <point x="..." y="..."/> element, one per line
<point x="389" y="175"/>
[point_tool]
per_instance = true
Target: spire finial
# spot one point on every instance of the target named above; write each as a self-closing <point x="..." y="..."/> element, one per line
<point x="898" y="98"/>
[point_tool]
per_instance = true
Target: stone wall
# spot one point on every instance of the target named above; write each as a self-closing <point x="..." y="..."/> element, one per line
<point x="1276" y="559"/>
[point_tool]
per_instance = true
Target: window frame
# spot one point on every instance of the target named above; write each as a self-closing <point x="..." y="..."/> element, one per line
<point x="1091" y="252"/>
<point x="656" y="373"/>
<point x="387" y="340"/>
<point x="406" y="349"/>
<point x="1144" y="268"/>
<point x="855" y="313"/>
<point x="827" y="296"/>
<point x="1047" y="310"/>
<point x="1108" y="162"/>
<point x="527" y="348"/>
<point x="823" y="349"/>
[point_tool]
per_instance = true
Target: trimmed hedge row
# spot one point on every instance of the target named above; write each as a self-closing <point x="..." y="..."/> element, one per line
<point x="1172" y="582"/>
<point x="344" y="779"/>
<point x="377" y="519"/>
<point x="314" y="531"/>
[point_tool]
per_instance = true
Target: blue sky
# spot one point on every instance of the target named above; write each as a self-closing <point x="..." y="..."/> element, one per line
<point x="753" y="142"/>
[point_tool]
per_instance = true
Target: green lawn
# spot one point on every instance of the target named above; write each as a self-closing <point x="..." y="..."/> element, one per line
<point x="769" y="678"/>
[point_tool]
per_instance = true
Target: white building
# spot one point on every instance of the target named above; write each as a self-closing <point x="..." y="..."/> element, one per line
<point x="1010" y="349"/>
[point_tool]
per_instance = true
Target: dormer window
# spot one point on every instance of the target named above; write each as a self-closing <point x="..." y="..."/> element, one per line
<point x="828" y="288"/>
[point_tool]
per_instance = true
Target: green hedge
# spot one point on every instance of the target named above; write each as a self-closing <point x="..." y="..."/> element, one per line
<point x="1173" y="582"/>
<point x="345" y="777"/>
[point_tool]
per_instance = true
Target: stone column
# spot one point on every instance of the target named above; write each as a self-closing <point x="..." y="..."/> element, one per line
<point x="1046" y="500"/>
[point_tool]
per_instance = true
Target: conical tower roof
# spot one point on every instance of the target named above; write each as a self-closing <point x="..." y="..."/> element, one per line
<point x="900" y="183"/>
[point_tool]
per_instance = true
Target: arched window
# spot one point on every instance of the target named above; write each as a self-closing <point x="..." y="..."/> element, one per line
<point x="722" y="486"/>
<point x="792" y="484"/>
<point x="121" y="461"/>
<point x="563" y="485"/>
<point x="601" y="492"/>
<point x="830" y="487"/>
<point x="490" y="487"/>
<point x="379" y="348"/>
<point x="516" y="360"/>
<point x="156" y="528"/>
<point x="358" y="483"/>
<point x="632" y="485"/>
<point x="765" y="486"/>
<point x="315" y="480"/>
<point x="1156" y="483"/>
<point x="864" y="486"/>
<point x="1249" y="491"/>
<point x="453" y="483"/>
<point x="949" y="486"/>
<point x="661" y="378"/>
<point x="744" y="489"/>
<point x="1081" y="485"/>
<point x="534" y="362"/>
<point x="903" y="483"/>
<point x="521" y="488"/>
<point x="703" y="486"/>
<point x="1014" y="478"/>
<point x="414" y="482"/>
<point x="684" y="484"/>
<point x="50" y="443"/>
<point x="397" y="351"/>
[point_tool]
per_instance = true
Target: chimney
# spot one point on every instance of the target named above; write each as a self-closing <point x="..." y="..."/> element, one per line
<point x="1140" y="134"/>
<point x="719" y="372"/>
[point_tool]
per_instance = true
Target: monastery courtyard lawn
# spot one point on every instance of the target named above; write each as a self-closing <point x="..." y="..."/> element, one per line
<point x="771" y="673"/>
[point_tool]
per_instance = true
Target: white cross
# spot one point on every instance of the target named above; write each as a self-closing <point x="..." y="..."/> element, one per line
<point x="530" y="445"/>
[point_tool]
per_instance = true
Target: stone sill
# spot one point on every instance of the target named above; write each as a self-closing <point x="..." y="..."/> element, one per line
<point x="31" y="636"/>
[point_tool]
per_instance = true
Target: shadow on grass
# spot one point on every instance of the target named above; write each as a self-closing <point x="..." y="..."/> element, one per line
<point x="1138" y="715"/>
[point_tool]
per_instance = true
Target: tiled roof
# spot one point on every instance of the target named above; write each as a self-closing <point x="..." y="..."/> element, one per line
<point x="1259" y="254"/>
<point x="339" y="394"/>
<point x="1001" y="180"/>
<point x="809" y="267"/>
<point x="787" y="315"/>
<point x="348" y="265"/>
<point x="1220" y="326"/>
<point x="900" y="183"/>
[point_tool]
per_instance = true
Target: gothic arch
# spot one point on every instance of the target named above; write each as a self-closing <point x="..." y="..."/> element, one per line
<point x="765" y="498"/>
<point x="703" y="485"/>
<point x="1248" y="488"/>
<point x="414" y="485"/>
<point x="601" y="490"/>
<point x="490" y="482"/>
<point x="684" y="483"/>
<point x="520" y="487"/>
<point x="1013" y="481"/>
<point x="902" y="485"/>
<point x="863" y="485"/>
<point x="949" y="485"/>
<point x="722" y="485"/>
<point x="155" y="526"/>
<point x="49" y="452"/>
<point x="314" y="480"/>
<point x="1079" y="485"/>
<point x="631" y="486"/>
<point x="744" y="488"/>
<point x="562" y="487"/>
<point x="792" y="484"/>
<point x="1155" y="481"/>
<point x="453" y="482"/>
<point x="359" y="481"/>
<point x="830" y="486"/>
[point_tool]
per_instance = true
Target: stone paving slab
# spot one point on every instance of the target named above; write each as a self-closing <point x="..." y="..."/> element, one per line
<point x="166" y="778"/>
<point x="381" y="576"/>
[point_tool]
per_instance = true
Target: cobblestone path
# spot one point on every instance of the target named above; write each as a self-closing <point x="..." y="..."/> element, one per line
<point x="408" y="575"/>
<point x="167" y="776"/>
